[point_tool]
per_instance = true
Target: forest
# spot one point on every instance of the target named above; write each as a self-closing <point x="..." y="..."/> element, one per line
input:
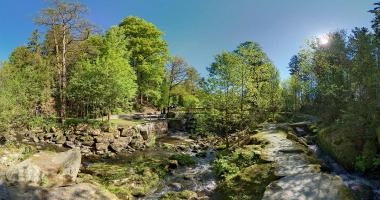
<point x="71" y="87"/>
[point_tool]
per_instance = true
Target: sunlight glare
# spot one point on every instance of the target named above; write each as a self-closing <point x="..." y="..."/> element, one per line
<point x="323" y="39"/>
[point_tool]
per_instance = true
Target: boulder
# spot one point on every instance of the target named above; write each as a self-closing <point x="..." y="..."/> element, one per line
<point x="101" y="146"/>
<point x="81" y="191"/>
<point x="81" y="127"/>
<point x="52" y="129"/>
<point x="46" y="168"/>
<point x="71" y="137"/>
<point x="361" y="191"/>
<point x="94" y="132"/>
<point x="59" y="138"/>
<point x="120" y="144"/>
<point x="316" y="186"/>
<point x="144" y="131"/>
<point x="70" y="144"/>
<point x="128" y="132"/>
<point x="105" y="138"/>
<point x="87" y="140"/>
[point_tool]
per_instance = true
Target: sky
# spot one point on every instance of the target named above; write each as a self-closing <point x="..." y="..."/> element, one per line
<point x="200" y="29"/>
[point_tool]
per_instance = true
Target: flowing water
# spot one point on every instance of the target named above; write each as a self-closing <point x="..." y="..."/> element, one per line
<point x="353" y="180"/>
<point x="199" y="178"/>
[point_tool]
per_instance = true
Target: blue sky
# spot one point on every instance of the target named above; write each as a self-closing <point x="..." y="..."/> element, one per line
<point x="199" y="29"/>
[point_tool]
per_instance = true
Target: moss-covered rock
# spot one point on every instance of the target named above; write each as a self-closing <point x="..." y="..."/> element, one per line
<point x="339" y="146"/>
<point x="183" y="159"/>
<point x="249" y="183"/>
<point x="129" y="177"/>
<point x="183" y="195"/>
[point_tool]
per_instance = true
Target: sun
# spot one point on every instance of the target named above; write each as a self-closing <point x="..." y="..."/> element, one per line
<point x="323" y="39"/>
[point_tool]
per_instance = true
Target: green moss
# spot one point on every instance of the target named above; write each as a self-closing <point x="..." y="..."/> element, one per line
<point x="249" y="183"/>
<point x="183" y="159"/>
<point x="345" y="193"/>
<point x="183" y="195"/>
<point x="334" y="141"/>
<point x="131" y="176"/>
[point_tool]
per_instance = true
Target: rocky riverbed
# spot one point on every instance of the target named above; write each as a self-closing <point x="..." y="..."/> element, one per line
<point x="269" y="163"/>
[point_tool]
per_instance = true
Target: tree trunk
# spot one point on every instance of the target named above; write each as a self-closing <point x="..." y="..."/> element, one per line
<point x="64" y="77"/>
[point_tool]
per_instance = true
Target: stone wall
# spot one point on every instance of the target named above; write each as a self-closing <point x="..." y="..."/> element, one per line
<point x="100" y="141"/>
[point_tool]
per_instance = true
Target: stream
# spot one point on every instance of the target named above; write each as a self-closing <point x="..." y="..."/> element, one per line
<point x="353" y="180"/>
<point x="199" y="178"/>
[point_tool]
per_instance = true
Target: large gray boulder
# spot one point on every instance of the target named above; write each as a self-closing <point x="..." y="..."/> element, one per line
<point x="46" y="169"/>
<point x="308" y="186"/>
<point x="81" y="191"/>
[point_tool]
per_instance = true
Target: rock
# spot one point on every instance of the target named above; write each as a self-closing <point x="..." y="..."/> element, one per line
<point x="173" y="164"/>
<point x="81" y="127"/>
<point x="59" y="138"/>
<point x="87" y="140"/>
<point x="105" y="138"/>
<point x="121" y="130"/>
<point x="48" y="136"/>
<point x="144" y="131"/>
<point x="86" y="151"/>
<point x="3" y="140"/>
<point x="176" y="186"/>
<point x="81" y="191"/>
<point x="316" y="186"/>
<point x="120" y="144"/>
<point x="35" y="139"/>
<point x="69" y="144"/>
<point x="46" y="168"/>
<point x="71" y="137"/>
<point x="101" y="146"/>
<point x="52" y="129"/>
<point x="128" y="132"/>
<point x="94" y="132"/>
<point x="362" y="192"/>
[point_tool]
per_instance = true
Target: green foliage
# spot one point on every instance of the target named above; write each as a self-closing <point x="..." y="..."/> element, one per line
<point x="243" y="90"/>
<point x="105" y="83"/>
<point x="224" y="168"/>
<point x="25" y="87"/>
<point x="228" y="164"/>
<point x="183" y="195"/>
<point x="183" y="159"/>
<point x="368" y="159"/>
<point x="339" y="81"/>
<point x="148" y="54"/>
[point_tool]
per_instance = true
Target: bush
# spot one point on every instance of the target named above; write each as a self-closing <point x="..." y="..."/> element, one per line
<point x="224" y="168"/>
<point x="367" y="160"/>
